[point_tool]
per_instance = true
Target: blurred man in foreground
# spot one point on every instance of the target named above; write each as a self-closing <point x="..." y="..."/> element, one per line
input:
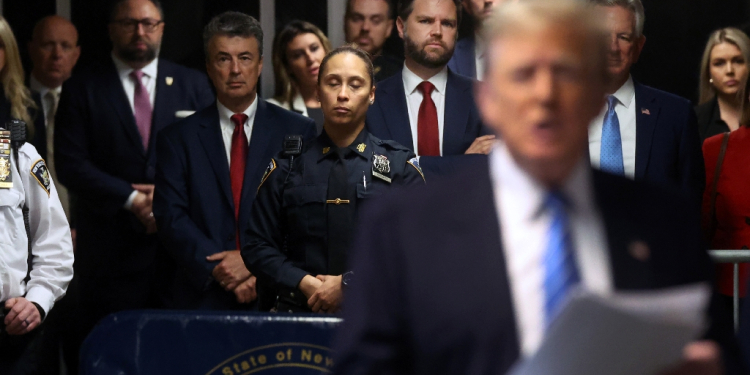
<point x="464" y="287"/>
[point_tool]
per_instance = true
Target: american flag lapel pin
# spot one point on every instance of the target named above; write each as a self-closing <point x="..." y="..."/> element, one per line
<point x="645" y="111"/>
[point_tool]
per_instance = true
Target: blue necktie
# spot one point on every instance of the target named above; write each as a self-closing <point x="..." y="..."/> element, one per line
<point x="611" y="152"/>
<point x="561" y="272"/>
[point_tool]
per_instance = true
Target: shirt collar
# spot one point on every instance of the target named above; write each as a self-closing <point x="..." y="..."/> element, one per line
<point x="626" y="93"/>
<point x="37" y="86"/>
<point x="124" y="69"/>
<point x="225" y="113"/>
<point x="361" y="145"/>
<point x="506" y="174"/>
<point x="411" y="80"/>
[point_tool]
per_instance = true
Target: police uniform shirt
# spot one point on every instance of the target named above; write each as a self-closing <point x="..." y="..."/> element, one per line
<point x="287" y="235"/>
<point x="52" y="265"/>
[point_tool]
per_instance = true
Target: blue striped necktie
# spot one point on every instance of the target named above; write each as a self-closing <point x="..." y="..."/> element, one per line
<point x="611" y="151"/>
<point x="561" y="272"/>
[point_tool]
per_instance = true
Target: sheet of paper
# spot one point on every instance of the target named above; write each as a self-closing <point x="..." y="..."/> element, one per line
<point x="621" y="334"/>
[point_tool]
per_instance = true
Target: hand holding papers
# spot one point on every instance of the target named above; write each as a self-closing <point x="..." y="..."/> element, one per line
<point x="625" y="333"/>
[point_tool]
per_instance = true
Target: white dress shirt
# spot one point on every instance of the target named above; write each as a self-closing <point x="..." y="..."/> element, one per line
<point x="227" y="126"/>
<point x="519" y="202"/>
<point x="52" y="264"/>
<point x="148" y="80"/>
<point x="414" y="100"/>
<point x="479" y="57"/>
<point x="43" y="90"/>
<point x="625" y="109"/>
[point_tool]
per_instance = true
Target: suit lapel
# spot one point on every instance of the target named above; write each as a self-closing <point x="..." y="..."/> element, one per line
<point x="111" y="88"/>
<point x="213" y="145"/>
<point x="646" y="113"/>
<point x="631" y="266"/>
<point x="467" y="60"/>
<point x="456" y="114"/>
<point x="395" y="113"/>
<point x="260" y="141"/>
<point x="164" y="113"/>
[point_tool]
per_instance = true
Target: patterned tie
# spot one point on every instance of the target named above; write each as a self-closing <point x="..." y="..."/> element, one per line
<point x="142" y="105"/>
<point x="561" y="272"/>
<point x="238" y="157"/>
<point x="52" y="98"/>
<point x="428" y="136"/>
<point x="611" y="151"/>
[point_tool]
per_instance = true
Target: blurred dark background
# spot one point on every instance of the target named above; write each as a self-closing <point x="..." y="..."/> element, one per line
<point x="676" y="31"/>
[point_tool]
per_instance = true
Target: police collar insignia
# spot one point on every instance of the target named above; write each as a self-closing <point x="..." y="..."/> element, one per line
<point x="381" y="167"/>
<point x="361" y="147"/>
<point x="326" y="149"/>
<point x="41" y="173"/>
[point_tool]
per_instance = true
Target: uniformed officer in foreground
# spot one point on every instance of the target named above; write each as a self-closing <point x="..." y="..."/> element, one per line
<point x="28" y="292"/>
<point x="303" y="216"/>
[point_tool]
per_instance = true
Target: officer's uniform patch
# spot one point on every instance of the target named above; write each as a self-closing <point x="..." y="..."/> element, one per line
<point x="41" y="173"/>
<point x="271" y="167"/>
<point x="414" y="162"/>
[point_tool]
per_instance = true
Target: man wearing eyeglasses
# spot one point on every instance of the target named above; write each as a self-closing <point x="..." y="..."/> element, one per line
<point x="107" y="122"/>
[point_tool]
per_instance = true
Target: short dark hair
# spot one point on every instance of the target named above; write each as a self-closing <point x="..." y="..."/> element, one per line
<point x="356" y="51"/>
<point x="391" y="14"/>
<point x="116" y="7"/>
<point x="233" y="24"/>
<point x="405" y="7"/>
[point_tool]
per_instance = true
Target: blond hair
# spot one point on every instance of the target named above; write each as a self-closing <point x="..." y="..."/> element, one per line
<point x="12" y="78"/>
<point x="517" y="17"/>
<point x="285" y="83"/>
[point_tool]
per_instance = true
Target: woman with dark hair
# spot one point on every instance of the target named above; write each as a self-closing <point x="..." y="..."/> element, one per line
<point x="298" y="50"/>
<point x="723" y="80"/>
<point x="303" y="217"/>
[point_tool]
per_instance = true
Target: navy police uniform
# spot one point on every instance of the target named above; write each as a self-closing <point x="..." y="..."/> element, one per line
<point x="292" y="226"/>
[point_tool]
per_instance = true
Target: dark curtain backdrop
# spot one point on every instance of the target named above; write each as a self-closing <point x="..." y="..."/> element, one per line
<point x="676" y="31"/>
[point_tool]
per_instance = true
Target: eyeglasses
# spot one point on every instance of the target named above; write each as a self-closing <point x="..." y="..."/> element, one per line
<point x="131" y="24"/>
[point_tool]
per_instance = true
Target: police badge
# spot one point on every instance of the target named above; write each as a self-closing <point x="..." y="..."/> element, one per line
<point x="381" y="167"/>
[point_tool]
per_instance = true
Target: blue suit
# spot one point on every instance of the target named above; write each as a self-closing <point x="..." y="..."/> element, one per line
<point x="388" y="118"/>
<point x="432" y="294"/>
<point x="99" y="154"/>
<point x="464" y="61"/>
<point x="667" y="145"/>
<point x="193" y="202"/>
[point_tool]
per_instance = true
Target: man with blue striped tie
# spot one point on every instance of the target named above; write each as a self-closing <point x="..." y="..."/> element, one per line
<point x="643" y="133"/>
<point x="464" y="276"/>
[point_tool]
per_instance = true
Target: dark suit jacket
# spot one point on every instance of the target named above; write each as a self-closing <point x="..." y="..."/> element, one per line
<point x="388" y="119"/>
<point x="431" y="294"/>
<point x="193" y="202"/>
<point x="667" y="144"/>
<point x="464" y="61"/>
<point x="98" y="155"/>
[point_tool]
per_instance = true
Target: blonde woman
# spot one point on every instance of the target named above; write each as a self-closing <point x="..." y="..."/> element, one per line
<point x="16" y="101"/>
<point x="298" y="50"/>
<point x="723" y="82"/>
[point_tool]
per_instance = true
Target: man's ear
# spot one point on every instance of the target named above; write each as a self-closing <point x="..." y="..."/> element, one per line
<point x="400" y="26"/>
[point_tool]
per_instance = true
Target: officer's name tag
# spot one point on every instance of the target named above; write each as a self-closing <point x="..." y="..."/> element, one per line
<point x="6" y="177"/>
<point x="381" y="167"/>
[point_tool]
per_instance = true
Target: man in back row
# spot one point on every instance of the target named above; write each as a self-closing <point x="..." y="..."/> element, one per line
<point x="555" y="224"/>
<point x="369" y="23"/>
<point x="427" y="107"/>
<point x="107" y="124"/>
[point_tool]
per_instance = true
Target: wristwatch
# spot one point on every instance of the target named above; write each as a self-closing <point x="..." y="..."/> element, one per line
<point x="346" y="278"/>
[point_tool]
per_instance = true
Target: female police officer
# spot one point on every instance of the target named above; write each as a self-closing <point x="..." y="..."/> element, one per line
<point x="302" y="221"/>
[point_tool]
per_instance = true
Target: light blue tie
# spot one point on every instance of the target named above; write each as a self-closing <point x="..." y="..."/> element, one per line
<point x="611" y="152"/>
<point x="561" y="272"/>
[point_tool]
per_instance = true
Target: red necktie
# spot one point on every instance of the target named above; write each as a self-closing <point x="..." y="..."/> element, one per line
<point x="428" y="137"/>
<point x="238" y="157"/>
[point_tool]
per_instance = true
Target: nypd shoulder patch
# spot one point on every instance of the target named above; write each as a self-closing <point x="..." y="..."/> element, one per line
<point x="41" y="174"/>
<point x="271" y="167"/>
<point x="414" y="162"/>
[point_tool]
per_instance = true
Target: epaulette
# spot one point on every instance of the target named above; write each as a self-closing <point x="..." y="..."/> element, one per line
<point x="393" y="145"/>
